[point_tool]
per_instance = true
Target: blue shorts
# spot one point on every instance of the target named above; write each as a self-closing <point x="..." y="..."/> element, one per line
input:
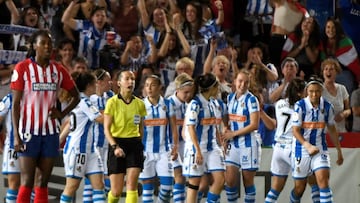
<point x="41" y="146"/>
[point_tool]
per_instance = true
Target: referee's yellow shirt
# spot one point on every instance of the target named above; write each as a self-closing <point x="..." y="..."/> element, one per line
<point x="125" y="117"/>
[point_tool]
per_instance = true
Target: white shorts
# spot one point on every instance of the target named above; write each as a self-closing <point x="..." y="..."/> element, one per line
<point x="281" y="160"/>
<point x="212" y="161"/>
<point x="10" y="164"/>
<point x="247" y="158"/>
<point x="78" y="165"/>
<point x="103" y="151"/>
<point x="179" y="161"/>
<point x="304" y="166"/>
<point x="157" y="164"/>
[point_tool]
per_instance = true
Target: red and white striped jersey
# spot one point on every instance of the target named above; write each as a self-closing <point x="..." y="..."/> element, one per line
<point x="40" y="86"/>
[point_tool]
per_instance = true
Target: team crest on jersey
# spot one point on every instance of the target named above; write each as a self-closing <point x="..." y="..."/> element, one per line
<point x="164" y="108"/>
<point x="194" y="107"/>
<point x="295" y="117"/>
<point x="2" y="106"/>
<point x="53" y="75"/>
<point x="193" y="115"/>
<point x="14" y="76"/>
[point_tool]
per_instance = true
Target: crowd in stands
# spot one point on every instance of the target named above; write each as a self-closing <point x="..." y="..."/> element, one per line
<point x="276" y="41"/>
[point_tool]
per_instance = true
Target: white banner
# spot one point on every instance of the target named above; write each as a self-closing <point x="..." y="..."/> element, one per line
<point x="11" y="57"/>
<point x="16" y="29"/>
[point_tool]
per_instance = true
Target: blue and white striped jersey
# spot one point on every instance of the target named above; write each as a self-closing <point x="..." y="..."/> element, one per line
<point x="313" y="122"/>
<point x="179" y="112"/>
<point x="91" y="42"/>
<point x="81" y="136"/>
<point x="98" y="128"/>
<point x="157" y="134"/>
<point x="5" y="113"/>
<point x="239" y="110"/>
<point x="261" y="8"/>
<point x="201" y="113"/>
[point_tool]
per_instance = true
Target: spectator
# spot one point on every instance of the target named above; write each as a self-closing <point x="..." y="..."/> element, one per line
<point x="125" y="18"/>
<point x="191" y="26"/>
<point x="339" y="46"/>
<point x="183" y="65"/>
<point x="262" y="76"/>
<point x="287" y="14"/>
<point x="304" y="45"/>
<point x="66" y="54"/>
<point x="29" y="17"/>
<point x="256" y="25"/>
<point x="80" y="64"/>
<point x="36" y="131"/>
<point x="135" y="54"/>
<point x="172" y="47"/>
<point x="355" y="106"/>
<point x="8" y="15"/>
<point x="81" y="11"/>
<point x="93" y="33"/>
<point x="289" y="69"/>
<point x="335" y="93"/>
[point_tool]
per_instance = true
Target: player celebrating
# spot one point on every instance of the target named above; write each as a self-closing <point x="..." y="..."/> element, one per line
<point x="309" y="149"/>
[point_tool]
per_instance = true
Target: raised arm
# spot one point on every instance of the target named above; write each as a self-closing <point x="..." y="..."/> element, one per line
<point x="154" y="53"/>
<point x="144" y="16"/>
<point x="219" y="6"/>
<point x="68" y="16"/>
<point x="15" y="16"/>
<point x="184" y="43"/>
<point x="210" y="56"/>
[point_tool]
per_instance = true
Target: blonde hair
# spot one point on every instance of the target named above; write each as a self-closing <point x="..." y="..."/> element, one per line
<point x="183" y="80"/>
<point x="221" y="58"/>
<point x="331" y="61"/>
<point x="187" y="61"/>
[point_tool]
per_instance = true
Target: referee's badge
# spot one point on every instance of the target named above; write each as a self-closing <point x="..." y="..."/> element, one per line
<point x="2" y="106"/>
<point x="137" y="119"/>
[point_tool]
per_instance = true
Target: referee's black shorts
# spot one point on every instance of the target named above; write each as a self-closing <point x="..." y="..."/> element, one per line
<point x="134" y="156"/>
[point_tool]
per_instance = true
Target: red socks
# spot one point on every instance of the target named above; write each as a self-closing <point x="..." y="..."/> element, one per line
<point x="41" y="195"/>
<point x="24" y="194"/>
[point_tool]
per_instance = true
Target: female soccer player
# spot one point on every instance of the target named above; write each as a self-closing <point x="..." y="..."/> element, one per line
<point x="184" y="92"/>
<point x="202" y="154"/>
<point x="158" y="122"/>
<point x="309" y="151"/>
<point x="243" y="117"/>
<point x="35" y="84"/>
<point x="123" y="127"/>
<point x="80" y="157"/>
<point x="10" y="164"/>
<point x="281" y="159"/>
